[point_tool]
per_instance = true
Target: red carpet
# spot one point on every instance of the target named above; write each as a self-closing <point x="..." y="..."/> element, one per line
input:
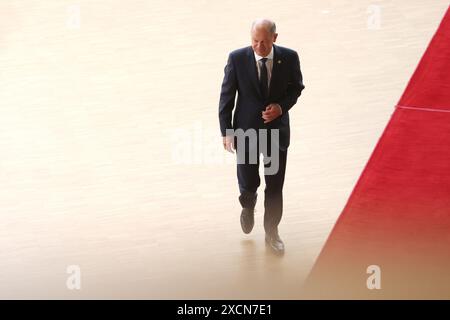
<point x="398" y="215"/>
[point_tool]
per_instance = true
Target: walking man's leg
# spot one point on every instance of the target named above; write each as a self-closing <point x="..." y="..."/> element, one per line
<point x="273" y="193"/>
<point x="249" y="181"/>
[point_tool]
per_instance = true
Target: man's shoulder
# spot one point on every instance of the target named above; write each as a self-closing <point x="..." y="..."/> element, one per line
<point x="240" y="51"/>
<point x="287" y="51"/>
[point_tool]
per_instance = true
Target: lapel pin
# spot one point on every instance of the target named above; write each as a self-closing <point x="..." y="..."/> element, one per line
<point x="279" y="61"/>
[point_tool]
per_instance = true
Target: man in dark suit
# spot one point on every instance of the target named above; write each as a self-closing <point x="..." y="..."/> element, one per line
<point x="268" y="81"/>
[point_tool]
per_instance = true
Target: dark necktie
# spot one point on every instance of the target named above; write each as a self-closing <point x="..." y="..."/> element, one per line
<point x="263" y="79"/>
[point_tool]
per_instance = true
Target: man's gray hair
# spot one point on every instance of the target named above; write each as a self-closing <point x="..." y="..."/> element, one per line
<point x="269" y="24"/>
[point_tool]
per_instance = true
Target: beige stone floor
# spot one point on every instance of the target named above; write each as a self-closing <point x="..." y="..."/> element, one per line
<point x="110" y="155"/>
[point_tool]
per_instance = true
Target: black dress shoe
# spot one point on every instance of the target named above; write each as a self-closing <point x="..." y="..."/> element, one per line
<point x="247" y="220"/>
<point x="274" y="242"/>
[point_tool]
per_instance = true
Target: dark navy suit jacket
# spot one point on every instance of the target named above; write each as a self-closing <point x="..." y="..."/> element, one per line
<point x="241" y="76"/>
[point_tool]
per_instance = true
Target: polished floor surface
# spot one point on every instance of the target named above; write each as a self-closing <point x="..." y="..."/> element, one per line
<point x="111" y="159"/>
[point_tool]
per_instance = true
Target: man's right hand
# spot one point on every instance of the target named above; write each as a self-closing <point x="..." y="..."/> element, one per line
<point x="228" y="143"/>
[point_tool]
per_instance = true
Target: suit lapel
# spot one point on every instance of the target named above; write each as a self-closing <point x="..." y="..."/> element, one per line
<point x="253" y="71"/>
<point x="277" y="60"/>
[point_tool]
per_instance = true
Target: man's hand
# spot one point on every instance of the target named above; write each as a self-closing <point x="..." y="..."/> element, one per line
<point x="228" y="143"/>
<point x="272" y="112"/>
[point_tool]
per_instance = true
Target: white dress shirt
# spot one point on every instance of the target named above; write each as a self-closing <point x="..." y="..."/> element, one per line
<point x="269" y="65"/>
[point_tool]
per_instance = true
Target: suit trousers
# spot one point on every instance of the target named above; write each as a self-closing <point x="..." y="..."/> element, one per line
<point x="249" y="181"/>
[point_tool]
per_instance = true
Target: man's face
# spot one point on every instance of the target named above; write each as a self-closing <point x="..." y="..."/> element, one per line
<point x="262" y="40"/>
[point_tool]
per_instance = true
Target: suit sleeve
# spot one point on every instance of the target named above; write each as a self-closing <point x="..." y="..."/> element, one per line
<point x="295" y="86"/>
<point x="227" y="96"/>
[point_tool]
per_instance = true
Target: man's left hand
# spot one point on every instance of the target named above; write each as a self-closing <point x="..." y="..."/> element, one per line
<point x="272" y="112"/>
